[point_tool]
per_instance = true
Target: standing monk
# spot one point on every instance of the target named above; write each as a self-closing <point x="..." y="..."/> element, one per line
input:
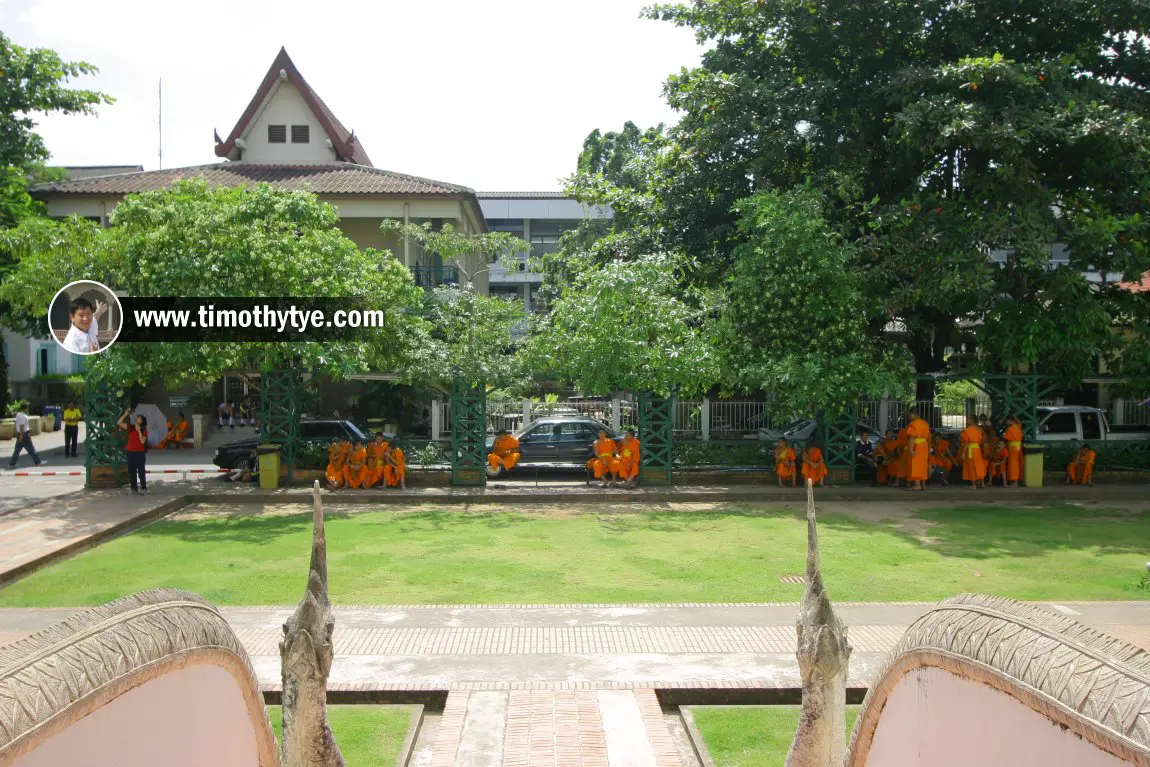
<point x="918" y="446"/>
<point x="355" y="471"/>
<point x="603" y="459"/>
<point x="813" y="467"/>
<point x="970" y="447"/>
<point x="629" y="456"/>
<point x="1080" y="470"/>
<point x="885" y="455"/>
<point x="785" y="463"/>
<point x="1013" y="437"/>
<point x="900" y="464"/>
<point x="395" y="468"/>
<point x="504" y="451"/>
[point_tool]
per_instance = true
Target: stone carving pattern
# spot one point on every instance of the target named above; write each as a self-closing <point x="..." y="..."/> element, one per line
<point x="1093" y="683"/>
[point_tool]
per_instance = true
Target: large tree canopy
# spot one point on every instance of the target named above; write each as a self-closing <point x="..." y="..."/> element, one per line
<point x="194" y="241"/>
<point x="629" y="325"/>
<point x="961" y="144"/>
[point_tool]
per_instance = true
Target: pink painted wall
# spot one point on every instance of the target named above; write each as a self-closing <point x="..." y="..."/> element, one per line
<point x="935" y="718"/>
<point x="192" y="717"/>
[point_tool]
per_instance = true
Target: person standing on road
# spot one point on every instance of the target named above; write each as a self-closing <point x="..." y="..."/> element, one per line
<point x="72" y="418"/>
<point x="23" y="439"/>
<point x="137" y="450"/>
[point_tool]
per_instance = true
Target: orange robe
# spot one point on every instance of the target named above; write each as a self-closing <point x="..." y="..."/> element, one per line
<point x="604" y="460"/>
<point x="175" y="434"/>
<point x="504" y="452"/>
<point x="918" y="435"/>
<point x="395" y="470"/>
<point x="785" y="462"/>
<point x="999" y="456"/>
<point x="1013" y="437"/>
<point x="813" y="467"/>
<point x="900" y="463"/>
<point x="629" y="459"/>
<point x="973" y="464"/>
<point x="355" y="472"/>
<point x="336" y="459"/>
<point x="888" y="449"/>
<point x="373" y="471"/>
<point x="1086" y="458"/>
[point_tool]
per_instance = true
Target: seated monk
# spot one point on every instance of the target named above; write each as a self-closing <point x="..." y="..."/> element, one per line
<point x="970" y="448"/>
<point x="629" y="458"/>
<point x="900" y="461"/>
<point x="504" y="451"/>
<point x="373" y="470"/>
<point x="813" y="467"/>
<point x="785" y="463"/>
<point x="604" y="459"/>
<point x="395" y="468"/>
<point x="884" y="457"/>
<point x="998" y="455"/>
<point x="1080" y="470"/>
<point x="941" y="461"/>
<point x="175" y="434"/>
<point x="336" y="459"/>
<point x="355" y="471"/>
<point x="379" y="448"/>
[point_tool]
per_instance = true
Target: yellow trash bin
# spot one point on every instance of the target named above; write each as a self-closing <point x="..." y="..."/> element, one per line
<point x="269" y="458"/>
<point x="1032" y="465"/>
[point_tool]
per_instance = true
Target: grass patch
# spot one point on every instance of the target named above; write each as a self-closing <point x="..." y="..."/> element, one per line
<point x="732" y="554"/>
<point x="752" y="736"/>
<point x="366" y="735"/>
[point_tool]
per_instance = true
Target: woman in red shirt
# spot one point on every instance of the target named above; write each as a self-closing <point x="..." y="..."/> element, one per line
<point x="137" y="450"/>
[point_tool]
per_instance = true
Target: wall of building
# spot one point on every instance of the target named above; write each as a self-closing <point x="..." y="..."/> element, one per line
<point x="365" y="233"/>
<point x="285" y="106"/>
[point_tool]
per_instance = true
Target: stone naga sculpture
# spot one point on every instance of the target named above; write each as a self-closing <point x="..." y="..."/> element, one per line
<point x="306" y="653"/>
<point x="823" y="655"/>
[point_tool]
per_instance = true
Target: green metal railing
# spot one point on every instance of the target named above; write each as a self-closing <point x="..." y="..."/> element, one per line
<point x="656" y="428"/>
<point x="468" y="434"/>
<point x="104" y="458"/>
<point x="280" y="413"/>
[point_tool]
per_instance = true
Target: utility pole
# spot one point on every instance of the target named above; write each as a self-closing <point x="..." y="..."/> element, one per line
<point x="160" y="126"/>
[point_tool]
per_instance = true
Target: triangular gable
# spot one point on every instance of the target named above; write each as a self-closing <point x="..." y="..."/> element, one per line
<point x="344" y="142"/>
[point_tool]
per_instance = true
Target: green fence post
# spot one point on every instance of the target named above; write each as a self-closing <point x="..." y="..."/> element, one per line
<point x="656" y="430"/>
<point x="280" y="414"/>
<point x="838" y="437"/>
<point x="104" y="461"/>
<point x="468" y="434"/>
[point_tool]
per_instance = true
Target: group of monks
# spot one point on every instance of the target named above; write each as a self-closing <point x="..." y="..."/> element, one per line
<point x="813" y="466"/>
<point x="359" y="467"/>
<point x="176" y="433"/>
<point x="619" y="459"/>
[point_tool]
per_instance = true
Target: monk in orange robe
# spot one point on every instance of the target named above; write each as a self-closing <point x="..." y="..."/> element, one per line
<point x="175" y="434"/>
<point x="941" y="461"/>
<point x="336" y="460"/>
<point x="918" y="448"/>
<point x="605" y="459"/>
<point x="355" y="471"/>
<point x="813" y="467"/>
<point x="970" y="450"/>
<point x="504" y="451"/>
<point x="629" y="456"/>
<point x="885" y="454"/>
<point x="785" y="463"/>
<point x="900" y="463"/>
<point x="998" y="456"/>
<point x="1013" y="437"/>
<point x="1080" y="470"/>
<point x="395" y="469"/>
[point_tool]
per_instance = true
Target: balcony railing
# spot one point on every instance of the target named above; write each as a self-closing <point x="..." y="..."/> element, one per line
<point x="434" y="276"/>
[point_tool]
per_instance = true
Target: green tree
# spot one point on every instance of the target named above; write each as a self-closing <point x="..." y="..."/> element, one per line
<point x="794" y="319"/>
<point x="958" y="143"/>
<point x="191" y="240"/>
<point x="629" y="326"/>
<point x="466" y="334"/>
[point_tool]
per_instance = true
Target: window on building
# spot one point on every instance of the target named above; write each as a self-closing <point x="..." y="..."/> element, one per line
<point x="277" y="134"/>
<point x="300" y="134"/>
<point x="545" y="235"/>
<point x="510" y="225"/>
<point x="44" y="361"/>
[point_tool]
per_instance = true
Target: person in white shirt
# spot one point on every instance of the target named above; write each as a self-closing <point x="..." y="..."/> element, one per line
<point x="82" y="337"/>
<point x="23" y="440"/>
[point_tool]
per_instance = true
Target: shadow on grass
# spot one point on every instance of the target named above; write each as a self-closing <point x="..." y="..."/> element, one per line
<point x="967" y="532"/>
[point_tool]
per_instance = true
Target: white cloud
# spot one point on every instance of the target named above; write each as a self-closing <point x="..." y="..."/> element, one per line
<point x="495" y="95"/>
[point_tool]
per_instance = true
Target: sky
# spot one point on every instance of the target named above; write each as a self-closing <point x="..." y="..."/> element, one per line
<point x="497" y="95"/>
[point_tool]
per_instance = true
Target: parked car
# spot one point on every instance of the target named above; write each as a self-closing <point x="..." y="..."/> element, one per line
<point x="1088" y="424"/>
<point x="237" y="455"/>
<point x="564" y="440"/>
<point x="803" y="430"/>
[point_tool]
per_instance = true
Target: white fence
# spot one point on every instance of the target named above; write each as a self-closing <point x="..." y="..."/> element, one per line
<point x="1130" y="412"/>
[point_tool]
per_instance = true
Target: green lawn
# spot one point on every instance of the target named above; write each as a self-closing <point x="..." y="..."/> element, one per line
<point x="752" y="736"/>
<point x="737" y="553"/>
<point x="366" y="735"/>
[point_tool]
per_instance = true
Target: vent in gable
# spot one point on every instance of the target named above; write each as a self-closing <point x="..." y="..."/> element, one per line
<point x="300" y="134"/>
<point x="277" y="134"/>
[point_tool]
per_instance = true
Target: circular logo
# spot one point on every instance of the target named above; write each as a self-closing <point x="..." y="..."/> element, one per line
<point x="85" y="317"/>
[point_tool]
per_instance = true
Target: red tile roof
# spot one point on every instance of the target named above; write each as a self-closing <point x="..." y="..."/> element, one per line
<point x="346" y="144"/>
<point x="523" y="196"/>
<point x="333" y="178"/>
<point x="1142" y="286"/>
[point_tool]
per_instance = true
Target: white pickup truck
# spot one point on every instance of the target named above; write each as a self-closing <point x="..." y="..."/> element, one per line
<point x="1085" y="424"/>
